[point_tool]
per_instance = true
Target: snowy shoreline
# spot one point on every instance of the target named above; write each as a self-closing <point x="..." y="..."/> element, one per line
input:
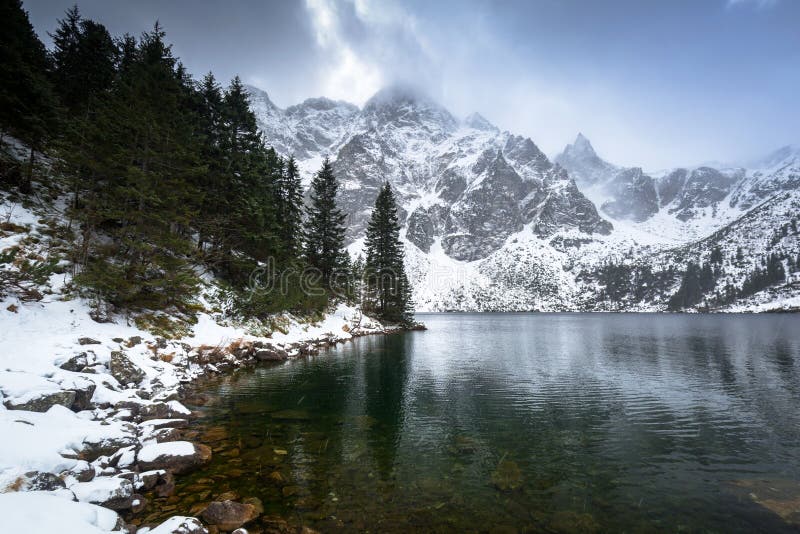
<point x="90" y="415"/>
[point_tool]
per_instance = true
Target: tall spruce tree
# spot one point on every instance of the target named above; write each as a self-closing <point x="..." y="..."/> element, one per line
<point x="387" y="287"/>
<point x="142" y="152"/>
<point x="84" y="68"/>
<point x="28" y="107"/>
<point x="325" y="230"/>
<point x="290" y="209"/>
<point x="211" y="219"/>
<point x="84" y="62"/>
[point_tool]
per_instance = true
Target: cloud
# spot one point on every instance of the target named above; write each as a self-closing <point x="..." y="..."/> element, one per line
<point x="348" y="76"/>
<point x="758" y="4"/>
<point x="369" y="44"/>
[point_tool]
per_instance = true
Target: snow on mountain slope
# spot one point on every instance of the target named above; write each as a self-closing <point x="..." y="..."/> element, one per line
<point x="684" y="203"/>
<point x="489" y="222"/>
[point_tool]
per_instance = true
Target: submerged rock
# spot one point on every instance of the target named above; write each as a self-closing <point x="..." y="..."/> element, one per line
<point x="229" y="515"/>
<point x="566" y="521"/>
<point x="507" y="476"/>
<point x="780" y="496"/>
<point x="256" y="502"/>
<point x="165" y="485"/>
<point x="180" y="525"/>
<point x="291" y="415"/>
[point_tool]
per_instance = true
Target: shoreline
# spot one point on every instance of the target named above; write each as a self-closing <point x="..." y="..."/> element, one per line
<point x="106" y="424"/>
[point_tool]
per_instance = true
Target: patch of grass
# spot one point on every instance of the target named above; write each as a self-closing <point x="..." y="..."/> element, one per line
<point x="12" y="228"/>
<point x="166" y="326"/>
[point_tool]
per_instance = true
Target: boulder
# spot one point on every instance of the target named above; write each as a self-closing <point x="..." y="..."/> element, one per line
<point x="176" y="456"/>
<point x="109" y="492"/>
<point x="256" y="502"/>
<point x="43" y="402"/>
<point x="158" y="424"/>
<point x="84" y="390"/>
<point x="124" y="370"/>
<point x="270" y="354"/>
<point x="87" y="341"/>
<point x="164" y="435"/>
<point x="162" y="410"/>
<point x="82" y="471"/>
<point x="41" y="481"/>
<point x="92" y="450"/>
<point x="76" y="363"/>
<point x="229" y="515"/>
<point x="148" y="480"/>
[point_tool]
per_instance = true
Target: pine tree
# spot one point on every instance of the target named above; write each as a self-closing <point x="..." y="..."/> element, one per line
<point x="324" y="229"/>
<point x="290" y="209"/>
<point x="84" y="61"/>
<point x="213" y="182"/>
<point x="387" y="288"/>
<point x="143" y="154"/>
<point x="84" y="68"/>
<point x="27" y="104"/>
<point x="690" y="292"/>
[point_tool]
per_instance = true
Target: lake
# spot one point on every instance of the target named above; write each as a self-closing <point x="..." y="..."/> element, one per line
<point x="519" y="422"/>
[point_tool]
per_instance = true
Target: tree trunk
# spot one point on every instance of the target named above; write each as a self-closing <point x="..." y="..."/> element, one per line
<point x="26" y="187"/>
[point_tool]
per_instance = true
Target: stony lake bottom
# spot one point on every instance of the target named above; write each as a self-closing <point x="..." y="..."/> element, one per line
<point x="516" y="423"/>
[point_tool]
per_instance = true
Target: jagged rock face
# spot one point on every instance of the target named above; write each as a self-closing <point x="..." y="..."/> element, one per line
<point x="526" y="157"/>
<point x="565" y="208"/>
<point x="319" y="122"/>
<point x="684" y="192"/>
<point x="780" y="171"/>
<point x="488" y="212"/>
<point x="306" y="130"/>
<point x="583" y="163"/>
<point x="466" y="183"/>
<point x="515" y="231"/>
<point x="634" y="195"/>
<point x="426" y="223"/>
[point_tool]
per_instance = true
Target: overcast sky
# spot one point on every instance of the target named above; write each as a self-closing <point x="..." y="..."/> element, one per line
<point x="651" y="83"/>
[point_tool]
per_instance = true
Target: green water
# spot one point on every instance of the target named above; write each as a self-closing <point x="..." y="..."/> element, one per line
<point x="520" y="422"/>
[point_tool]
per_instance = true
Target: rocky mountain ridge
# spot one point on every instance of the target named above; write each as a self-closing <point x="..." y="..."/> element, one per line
<point x="492" y="224"/>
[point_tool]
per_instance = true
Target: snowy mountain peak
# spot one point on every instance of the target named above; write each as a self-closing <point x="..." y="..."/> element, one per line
<point x="479" y="122"/>
<point x="583" y="163"/>
<point x="781" y="156"/>
<point x="405" y="105"/>
<point x="399" y="95"/>
<point x="322" y="104"/>
<point x="259" y="99"/>
<point x="582" y="147"/>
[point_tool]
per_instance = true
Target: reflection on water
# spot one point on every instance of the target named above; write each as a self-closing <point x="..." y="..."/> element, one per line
<point x="526" y="422"/>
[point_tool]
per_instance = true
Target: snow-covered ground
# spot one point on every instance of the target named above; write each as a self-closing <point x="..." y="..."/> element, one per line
<point x="84" y="405"/>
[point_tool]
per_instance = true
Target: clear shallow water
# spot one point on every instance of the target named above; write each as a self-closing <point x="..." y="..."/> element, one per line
<point x="526" y="422"/>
